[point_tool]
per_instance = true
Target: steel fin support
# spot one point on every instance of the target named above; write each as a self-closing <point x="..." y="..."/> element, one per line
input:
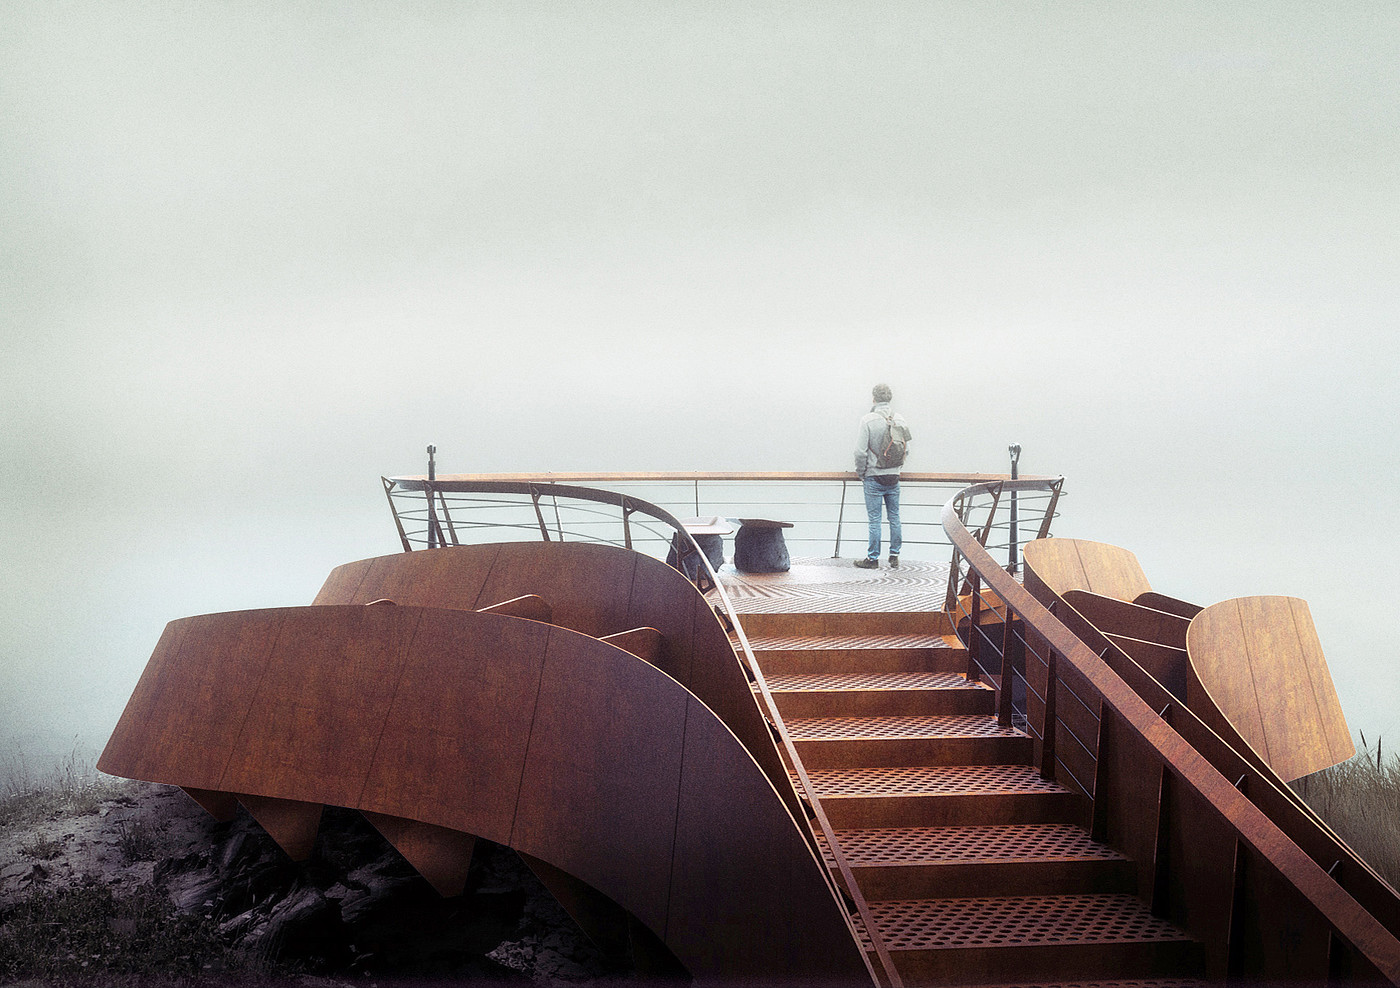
<point x="290" y="822"/>
<point x="441" y="855"/>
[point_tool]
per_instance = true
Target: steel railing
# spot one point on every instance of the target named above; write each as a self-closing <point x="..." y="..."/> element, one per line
<point x="827" y="509"/>
<point x="1212" y="857"/>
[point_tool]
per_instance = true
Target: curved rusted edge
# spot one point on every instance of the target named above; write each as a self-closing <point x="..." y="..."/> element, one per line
<point x="720" y="854"/>
<point x="1211" y="690"/>
<point x="1337" y="907"/>
<point x="1261" y="784"/>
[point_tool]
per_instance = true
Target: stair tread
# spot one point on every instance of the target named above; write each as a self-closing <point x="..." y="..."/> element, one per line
<point x="776" y="642"/>
<point x="1011" y="921"/>
<point x="1104" y="983"/>
<point x="898" y="727"/>
<point x="834" y="682"/>
<point x="931" y="780"/>
<point x="898" y="846"/>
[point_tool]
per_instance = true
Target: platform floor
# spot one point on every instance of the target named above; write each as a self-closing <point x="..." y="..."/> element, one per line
<point x="817" y="584"/>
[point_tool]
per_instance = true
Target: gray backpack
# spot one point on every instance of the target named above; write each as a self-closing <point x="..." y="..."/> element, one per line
<point x="895" y="446"/>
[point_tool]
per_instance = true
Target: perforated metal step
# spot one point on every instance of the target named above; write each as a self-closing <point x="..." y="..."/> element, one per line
<point x="848" y="681"/>
<point x="970" y="845"/>
<point x="931" y="780"/>
<point x="867" y="728"/>
<point x="930" y="924"/>
<point x="775" y="642"/>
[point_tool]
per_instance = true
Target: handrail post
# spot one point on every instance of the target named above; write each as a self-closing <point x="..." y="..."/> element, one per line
<point x="840" y="517"/>
<point x="1004" y="689"/>
<point x="974" y="630"/>
<point x="1047" y="727"/>
<point x="1011" y="562"/>
<point x="428" y="492"/>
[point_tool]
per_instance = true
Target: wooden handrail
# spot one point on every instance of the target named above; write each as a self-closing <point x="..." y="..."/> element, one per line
<point x="456" y="482"/>
<point x="1345" y="917"/>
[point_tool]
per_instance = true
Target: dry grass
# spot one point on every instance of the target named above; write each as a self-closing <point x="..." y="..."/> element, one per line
<point x="73" y="788"/>
<point x="1360" y="800"/>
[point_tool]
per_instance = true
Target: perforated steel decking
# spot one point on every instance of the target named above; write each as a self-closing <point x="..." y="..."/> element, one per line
<point x="1013" y="920"/>
<point x="824" y="585"/>
<point x="942" y="845"/>
<point x="929" y="780"/>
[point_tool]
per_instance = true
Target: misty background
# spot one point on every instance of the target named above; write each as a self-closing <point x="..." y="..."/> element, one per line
<point x="255" y="255"/>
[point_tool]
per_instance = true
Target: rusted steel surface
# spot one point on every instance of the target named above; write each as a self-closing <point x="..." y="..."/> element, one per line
<point x="1230" y="903"/>
<point x="563" y="747"/>
<point x="1258" y="660"/>
<point x="1119" y="617"/>
<point x="1078" y="564"/>
<point x="599" y="590"/>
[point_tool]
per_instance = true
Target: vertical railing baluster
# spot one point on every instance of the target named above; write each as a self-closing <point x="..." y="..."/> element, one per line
<point x="1047" y="727"/>
<point x="1008" y="672"/>
<point x="974" y="632"/>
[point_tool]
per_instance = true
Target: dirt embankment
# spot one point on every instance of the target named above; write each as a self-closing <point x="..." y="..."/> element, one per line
<point x="143" y="884"/>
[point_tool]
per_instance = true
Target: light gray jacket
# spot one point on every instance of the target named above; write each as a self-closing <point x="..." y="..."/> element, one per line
<point x="873" y="433"/>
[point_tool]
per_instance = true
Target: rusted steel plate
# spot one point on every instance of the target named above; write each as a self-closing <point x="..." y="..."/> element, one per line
<point x="340" y="662"/>
<point x="598" y="590"/>
<point x="474" y="679"/>
<point x="625" y="761"/>
<point x="1259" y="661"/>
<point x="1078" y="564"/>
<point x="562" y="746"/>
<point x="1119" y="617"/>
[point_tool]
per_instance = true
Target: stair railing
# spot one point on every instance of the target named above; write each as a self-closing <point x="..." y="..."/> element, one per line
<point x="1209" y="860"/>
<point x="550" y="494"/>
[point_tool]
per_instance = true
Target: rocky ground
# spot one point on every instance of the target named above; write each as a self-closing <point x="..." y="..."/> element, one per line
<point x="142" y="886"/>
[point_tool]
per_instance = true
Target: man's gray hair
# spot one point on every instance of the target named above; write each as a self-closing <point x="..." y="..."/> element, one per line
<point x="881" y="392"/>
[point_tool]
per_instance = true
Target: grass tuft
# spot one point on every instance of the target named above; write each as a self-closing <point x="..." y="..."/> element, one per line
<point x="1360" y="800"/>
<point x="87" y="929"/>
<point x="74" y="788"/>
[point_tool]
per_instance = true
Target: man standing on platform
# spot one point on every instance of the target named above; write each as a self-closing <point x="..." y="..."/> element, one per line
<point x="881" y="448"/>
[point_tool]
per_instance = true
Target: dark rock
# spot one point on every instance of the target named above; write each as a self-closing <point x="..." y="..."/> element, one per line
<point x="761" y="550"/>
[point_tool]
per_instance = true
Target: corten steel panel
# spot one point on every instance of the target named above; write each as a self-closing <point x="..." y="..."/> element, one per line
<point x="462" y="712"/>
<point x="1129" y="803"/>
<point x="596" y="589"/>
<point x="1078" y="564"/>
<point x="441" y="578"/>
<point x="1258" y="660"/>
<point x="1118" y="617"/>
<point x="704" y="919"/>
<point x="610" y="784"/>
<point x="292" y="823"/>
<point x="184" y="716"/>
<point x="531" y="606"/>
<point x="1165" y="664"/>
<point x="587" y="585"/>
<point x="644" y="643"/>
<point x="324" y="698"/>
<point x="1274" y="932"/>
<point x="1198" y="887"/>
<point x="440" y="855"/>
<point x="622" y="759"/>
<point x="1161" y="602"/>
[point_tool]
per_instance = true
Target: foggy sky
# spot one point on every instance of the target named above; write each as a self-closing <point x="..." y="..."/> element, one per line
<point x="255" y="255"/>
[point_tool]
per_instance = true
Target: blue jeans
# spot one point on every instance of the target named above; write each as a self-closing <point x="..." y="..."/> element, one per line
<point x="877" y="494"/>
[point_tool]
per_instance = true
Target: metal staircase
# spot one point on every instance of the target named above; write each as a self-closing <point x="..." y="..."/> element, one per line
<point x="976" y="869"/>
